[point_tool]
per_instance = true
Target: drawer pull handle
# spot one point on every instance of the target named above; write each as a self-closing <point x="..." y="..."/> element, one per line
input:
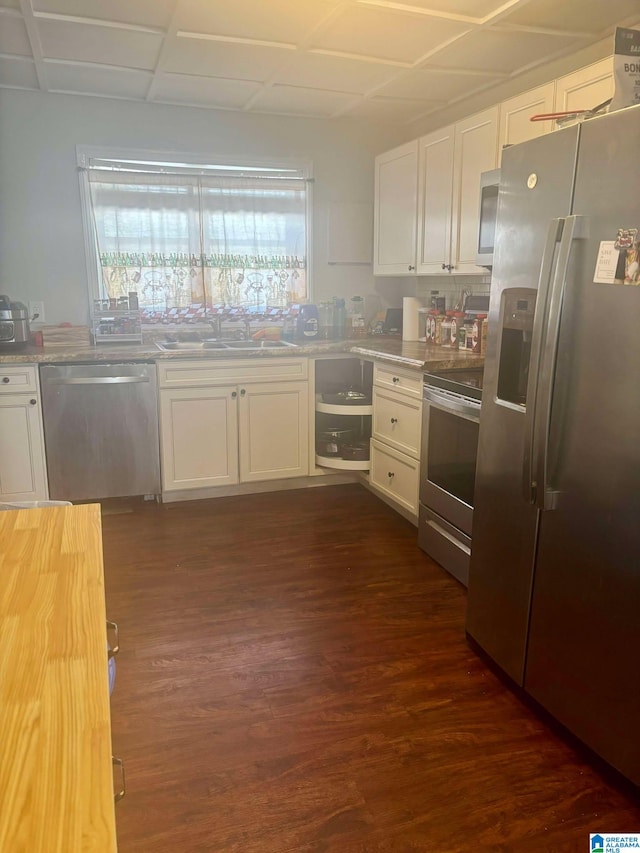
<point x="396" y="379"/>
<point x="6" y="380"/>
<point x="394" y="420"/>
<point x="115" y="648"/>
<point x="390" y="475"/>
<point x="243" y="391"/>
<point x="411" y="267"/>
<point x="234" y="394"/>
<point x="32" y="402"/>
<point x="118" y="762"/>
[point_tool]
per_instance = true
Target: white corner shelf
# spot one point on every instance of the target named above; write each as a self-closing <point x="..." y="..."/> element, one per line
<point x="335" y="409"/>
<point x="342" y="464"/>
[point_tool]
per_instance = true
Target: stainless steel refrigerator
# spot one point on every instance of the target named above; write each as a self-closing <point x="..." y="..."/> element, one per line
<point x="554" y="586"/>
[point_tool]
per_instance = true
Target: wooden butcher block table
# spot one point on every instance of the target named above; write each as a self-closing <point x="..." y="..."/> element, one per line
<point x="56" y="779"/>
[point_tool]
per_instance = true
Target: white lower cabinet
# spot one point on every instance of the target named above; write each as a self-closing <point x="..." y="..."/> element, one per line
<point x="395" y="441"/>
<point x="23" y="474"/>
<point x="221" y="433"/>
<point x="199" y="437"/>
<point x="396" y="475"/>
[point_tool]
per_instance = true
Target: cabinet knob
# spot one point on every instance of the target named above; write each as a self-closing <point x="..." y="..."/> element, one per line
<point x="234" y="394"/>
<point x="394" y="420"/>
<point x="390" y="475"/>
<point x="33" y="402"/>
<point x="444" y="266"/>
<point x="6" y="379"/>
<point x="243" y="391"/>
<point x="450" y="267"/>
<point x="396" y="379"/>
<point x="411" y="268"/>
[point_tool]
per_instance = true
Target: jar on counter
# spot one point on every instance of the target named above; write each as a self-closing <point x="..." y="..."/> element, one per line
<point x="446" y="329"/>
<point x="479" y="335"/>
<point x="457" y="324"/>
<point x="339" y="319"/>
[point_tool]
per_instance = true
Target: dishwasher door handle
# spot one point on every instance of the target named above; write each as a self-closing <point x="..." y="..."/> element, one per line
<point x="100" y="380"/>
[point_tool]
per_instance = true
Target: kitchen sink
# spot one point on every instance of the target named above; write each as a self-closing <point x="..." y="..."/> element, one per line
<point x="237" y="346"/>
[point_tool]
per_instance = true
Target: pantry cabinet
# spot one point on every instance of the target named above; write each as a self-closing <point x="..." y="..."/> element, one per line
<point x="515" y="116"/>
<point x="395" y="211"/>
<point x="475" y="151"/>
<point x="218" y="429"/>
<point x="23" y="474"/>
<point x="586" y="88"/>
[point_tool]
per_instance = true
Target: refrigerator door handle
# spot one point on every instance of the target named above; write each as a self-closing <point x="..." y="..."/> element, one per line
<point x="554" y="234"/>
<point x="545" y="498"/>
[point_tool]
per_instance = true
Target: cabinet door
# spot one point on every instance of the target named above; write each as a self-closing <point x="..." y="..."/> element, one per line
<point x="435" y="176"/>
<point x="585" y="88"/>
<point x="396" y="475"/>
<point x="274" y="430"/>
<point x="476" y="151"/>
<point x="515" y="115"/>
<point x="22" y="466"/>
<point x="395" y="211"/>
<point x="199" y="437"/>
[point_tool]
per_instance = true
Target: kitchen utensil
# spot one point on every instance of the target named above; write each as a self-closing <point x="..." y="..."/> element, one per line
<point x="356" y="452"/>
<point x="347" y="397"/>
<point x="330" y="442"/>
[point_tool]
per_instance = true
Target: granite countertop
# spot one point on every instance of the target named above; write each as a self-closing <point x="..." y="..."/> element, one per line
<point x="410" y="354"/>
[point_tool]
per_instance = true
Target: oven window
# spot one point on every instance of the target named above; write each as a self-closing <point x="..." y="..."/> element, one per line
<point x="451" y="453"/>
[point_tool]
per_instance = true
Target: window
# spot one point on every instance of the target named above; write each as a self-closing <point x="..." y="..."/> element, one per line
<point x="190" y="238"/>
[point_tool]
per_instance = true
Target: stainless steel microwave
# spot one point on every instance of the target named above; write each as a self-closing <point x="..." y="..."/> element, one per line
<point x="489" y="186"/>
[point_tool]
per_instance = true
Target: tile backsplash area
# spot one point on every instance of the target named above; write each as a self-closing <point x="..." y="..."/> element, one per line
<point x="451" y="286"/>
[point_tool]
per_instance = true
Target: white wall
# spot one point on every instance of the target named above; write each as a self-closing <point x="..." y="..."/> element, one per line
<point x="42" y="252"/>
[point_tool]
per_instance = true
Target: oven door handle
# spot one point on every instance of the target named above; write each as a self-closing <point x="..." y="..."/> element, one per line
<point x="450" y="403"/>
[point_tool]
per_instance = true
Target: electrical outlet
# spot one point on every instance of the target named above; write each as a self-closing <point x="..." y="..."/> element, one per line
<point x="36" y="310"/>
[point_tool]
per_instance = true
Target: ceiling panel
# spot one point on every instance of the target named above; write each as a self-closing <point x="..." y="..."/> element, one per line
<point x="222" y="59"/>
<point x="300" y="101"/>
<point x="471" y="8"/>
<point x="10" y="4"/>
<point x="392" y="108"/>
<point x="149" y="13"/>
<point x="379" y="33"/>
<point x="590" y="16"/>
<point x="438" y="85"/>
<point x="334" y="72"/>
<point x="88" y="43"/>
<point x="18" y="72"/>
<point x="13" y="36"/>
<point x="111" y="82"/>
<point x="207" y="91"/>
<point x="277" y="20"/>
<point x="491" y="50"/>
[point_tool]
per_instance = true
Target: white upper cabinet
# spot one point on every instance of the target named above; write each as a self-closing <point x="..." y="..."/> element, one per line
<point x="515" y="115"/>
<point x="395" y="211"/>
<point x="435" y="180"/>
<point x="475" y="151"/>
<point x="586" y="88"/>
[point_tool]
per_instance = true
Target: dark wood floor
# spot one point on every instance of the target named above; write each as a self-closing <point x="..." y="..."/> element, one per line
<point x="294" y="676"/>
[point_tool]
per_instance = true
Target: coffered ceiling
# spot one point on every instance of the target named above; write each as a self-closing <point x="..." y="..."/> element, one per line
<point x="377" y="59"/>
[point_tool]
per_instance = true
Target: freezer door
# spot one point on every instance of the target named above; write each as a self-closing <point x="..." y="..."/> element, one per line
<point x="536" y="187"/>
<point x="584" y="643"/>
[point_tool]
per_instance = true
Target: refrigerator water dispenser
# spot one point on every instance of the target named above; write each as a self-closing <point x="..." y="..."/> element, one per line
<point x="517" y="312"/>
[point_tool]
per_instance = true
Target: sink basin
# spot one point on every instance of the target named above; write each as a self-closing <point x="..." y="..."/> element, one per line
<point x="257" y="345"/>
<point x="237" y="346"/>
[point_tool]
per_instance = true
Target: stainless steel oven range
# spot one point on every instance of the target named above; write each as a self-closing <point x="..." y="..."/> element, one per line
<point x="450" y="424"/>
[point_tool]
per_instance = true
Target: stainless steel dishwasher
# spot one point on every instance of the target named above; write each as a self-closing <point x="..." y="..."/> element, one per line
<point x="100" y="430"/>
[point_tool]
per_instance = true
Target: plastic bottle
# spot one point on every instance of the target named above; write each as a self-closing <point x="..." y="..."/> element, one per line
<point x="339" y="319"/>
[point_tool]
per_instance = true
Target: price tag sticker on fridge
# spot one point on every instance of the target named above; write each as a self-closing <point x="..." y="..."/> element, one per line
<point x="606" y="263"/>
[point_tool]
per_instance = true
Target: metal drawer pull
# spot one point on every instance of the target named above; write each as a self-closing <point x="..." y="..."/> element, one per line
<point x="115" y="648"/>
<point x="33" y="402"/>
<point x="390" y="475"/>
<point x="396" y="379"/>
<point x="123" y="790"/>
<point x="6" y="379"/>
<point x="394" y="420"/>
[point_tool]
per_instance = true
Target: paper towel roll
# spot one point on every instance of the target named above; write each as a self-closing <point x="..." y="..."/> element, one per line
<point x="410" y="308"/>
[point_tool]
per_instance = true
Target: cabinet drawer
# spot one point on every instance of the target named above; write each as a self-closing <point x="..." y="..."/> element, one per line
<point x="191" y="374"/>
<point x="402" y="381"/>
<point x="397" y="421"/>
<point x="395" y="474"/>
<point x="16" y="378"/>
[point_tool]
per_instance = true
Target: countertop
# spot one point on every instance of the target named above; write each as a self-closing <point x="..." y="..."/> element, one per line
<point x="410" y="354"/>
<point x="56" y="787"/>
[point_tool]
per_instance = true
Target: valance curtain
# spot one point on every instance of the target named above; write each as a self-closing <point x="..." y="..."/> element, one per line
<point x="184" y="240"/>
